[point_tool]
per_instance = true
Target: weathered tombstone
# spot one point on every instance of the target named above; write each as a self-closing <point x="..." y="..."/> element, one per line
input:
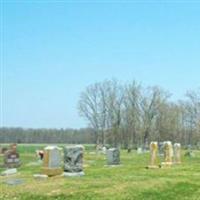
<point x="11" y="157"/>
<point x="153" y="160"/>
<point x="52" y="161"/>
<point x="168" y="154"/>
<point x="177" y="153"/>
<point x="73" y="158"/>
<point x="139" y="150"/>
<point x="99" y="147"/>
<point x="189" y="152"/>
<point x="104" y="149"/>
<point x="113" y="156"/>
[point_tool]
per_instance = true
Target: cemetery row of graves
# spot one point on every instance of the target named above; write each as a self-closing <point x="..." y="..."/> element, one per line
<point x="73" y="163"/>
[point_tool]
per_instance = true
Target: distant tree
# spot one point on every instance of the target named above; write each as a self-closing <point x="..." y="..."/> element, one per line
<point x="151" y="100"/>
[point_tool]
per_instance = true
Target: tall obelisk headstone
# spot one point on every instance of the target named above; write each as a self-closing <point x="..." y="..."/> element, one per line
<point x="168" y="154"/>
<point x="153" y="160"/>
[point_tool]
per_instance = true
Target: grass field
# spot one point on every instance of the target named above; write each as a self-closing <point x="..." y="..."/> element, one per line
<point x="130" y="180"/>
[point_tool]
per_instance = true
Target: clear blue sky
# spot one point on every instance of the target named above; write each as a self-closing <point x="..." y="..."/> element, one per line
<point x="52" y="51"/>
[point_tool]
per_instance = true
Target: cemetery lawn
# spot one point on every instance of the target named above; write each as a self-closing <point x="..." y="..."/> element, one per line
<point x="131" y="180"/>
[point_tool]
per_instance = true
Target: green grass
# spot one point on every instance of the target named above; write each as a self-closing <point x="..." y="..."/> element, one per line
<point x="130" y="180"/>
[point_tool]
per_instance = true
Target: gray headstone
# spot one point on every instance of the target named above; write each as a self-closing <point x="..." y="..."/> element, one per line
<point x="54" y="157"/>
<point x="113" y="156"/>
<point x="73" y="158"/>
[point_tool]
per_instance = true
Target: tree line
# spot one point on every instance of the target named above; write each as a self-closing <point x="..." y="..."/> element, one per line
<point x="126" y="115"/>
<point x="130" y="115"/>
<point x="43" y="136"/>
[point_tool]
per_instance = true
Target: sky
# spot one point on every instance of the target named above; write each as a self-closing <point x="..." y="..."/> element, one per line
<point x="52" y="50"/>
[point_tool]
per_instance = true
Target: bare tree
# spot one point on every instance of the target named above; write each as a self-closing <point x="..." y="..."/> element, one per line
<point x="192" y="107"/>
<point x="89" y="107"/>
<point x="152" y="99"/>
<point x="132" y="114"/>
<point x="114" y="105"/>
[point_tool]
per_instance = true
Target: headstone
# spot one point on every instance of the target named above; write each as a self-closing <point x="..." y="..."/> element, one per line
<point x="168" y="154"/>
<point x="73" y="158"/>
<point x="104" y="149"/>
<point x="139" y="150"/>
<point x="153" y="160"/>
<point x="177" y="153"/>
<point x="100" y="149"/>
<point x="11" y="157"/>
<point x="189" y="152"/>
<point x="52" y="161"/>
<point x="113" y="156"/>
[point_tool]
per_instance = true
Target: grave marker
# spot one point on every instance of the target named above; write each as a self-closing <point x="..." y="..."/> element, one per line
<point x="168" y="154"/>
<point x="153" y="160"/>
<point x="113" y="156"/>
<point x="11" y="157"/>
<point x="73" y="158"/>
<point x="52" y="161"/>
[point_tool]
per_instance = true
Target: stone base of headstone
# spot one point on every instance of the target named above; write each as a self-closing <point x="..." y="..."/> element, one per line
<point x="52" y="171"/>
<point x="152" y="167"/>
<point x="73" y="174"/>
<point x="12" y="165"/>
<point x="166" y="164"/>
<point x="40" y="176"/>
